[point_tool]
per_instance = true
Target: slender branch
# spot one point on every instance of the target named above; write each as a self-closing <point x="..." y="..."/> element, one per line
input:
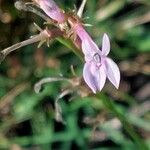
<point x="43" y="36"/>
<point x="8" y="98"/>
<point x="58" y="110"/>
<point x="130" y="23"/>
<point x="8" y="50"/>
<point x="38" y="85"/>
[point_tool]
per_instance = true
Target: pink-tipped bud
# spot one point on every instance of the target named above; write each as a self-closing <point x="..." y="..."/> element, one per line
<point x="52" y="10"/>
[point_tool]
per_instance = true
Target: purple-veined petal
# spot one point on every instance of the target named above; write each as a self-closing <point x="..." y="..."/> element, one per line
<point x="112" y="72"/>
<point x="52" y="10"/>
<point x="94" y="76"/>
<point x="88" y="49"/>
<point x="89" y="77"/>
<point x="105" y="45"/>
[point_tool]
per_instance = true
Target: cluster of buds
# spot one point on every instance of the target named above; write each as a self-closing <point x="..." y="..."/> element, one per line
<point x="97" y="65"/>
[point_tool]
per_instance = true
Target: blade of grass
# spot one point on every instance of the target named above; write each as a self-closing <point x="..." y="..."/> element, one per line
<point x="110" y="105"/>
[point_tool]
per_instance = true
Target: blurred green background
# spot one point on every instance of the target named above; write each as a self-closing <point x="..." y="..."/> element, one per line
<point x="114" y="119"/>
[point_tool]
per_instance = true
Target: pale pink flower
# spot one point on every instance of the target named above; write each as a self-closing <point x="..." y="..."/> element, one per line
<point x="97" y="66"/>
<point x="51" y="9"/>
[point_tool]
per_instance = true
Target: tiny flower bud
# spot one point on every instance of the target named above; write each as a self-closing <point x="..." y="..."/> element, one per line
<point x="51" y="9"/>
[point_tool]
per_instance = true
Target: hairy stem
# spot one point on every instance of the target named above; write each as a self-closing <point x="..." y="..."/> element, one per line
<point x="20" y="5"/>
<point x="43" y="36"/>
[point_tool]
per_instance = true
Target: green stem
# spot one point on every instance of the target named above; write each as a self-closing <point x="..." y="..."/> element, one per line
<point x="110" y="105"/>
<point x="68" y="43"/>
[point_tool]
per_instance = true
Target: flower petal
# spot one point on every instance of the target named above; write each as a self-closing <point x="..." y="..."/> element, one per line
<point x="112" y="72"/>
<point x="102" y="77"/>
<point x="88" y="48"/>
<point x="105" y="45"/>
<point x="93" y="76"/>
<point x="89" y="78"/>
<point x="52" y="10"/>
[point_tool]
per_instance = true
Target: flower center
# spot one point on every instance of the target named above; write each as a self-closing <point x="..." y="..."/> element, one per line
<point x="97" y="59"/>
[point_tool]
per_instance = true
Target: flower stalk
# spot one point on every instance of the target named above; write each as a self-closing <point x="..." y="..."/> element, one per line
<point x="42" y="36"/>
